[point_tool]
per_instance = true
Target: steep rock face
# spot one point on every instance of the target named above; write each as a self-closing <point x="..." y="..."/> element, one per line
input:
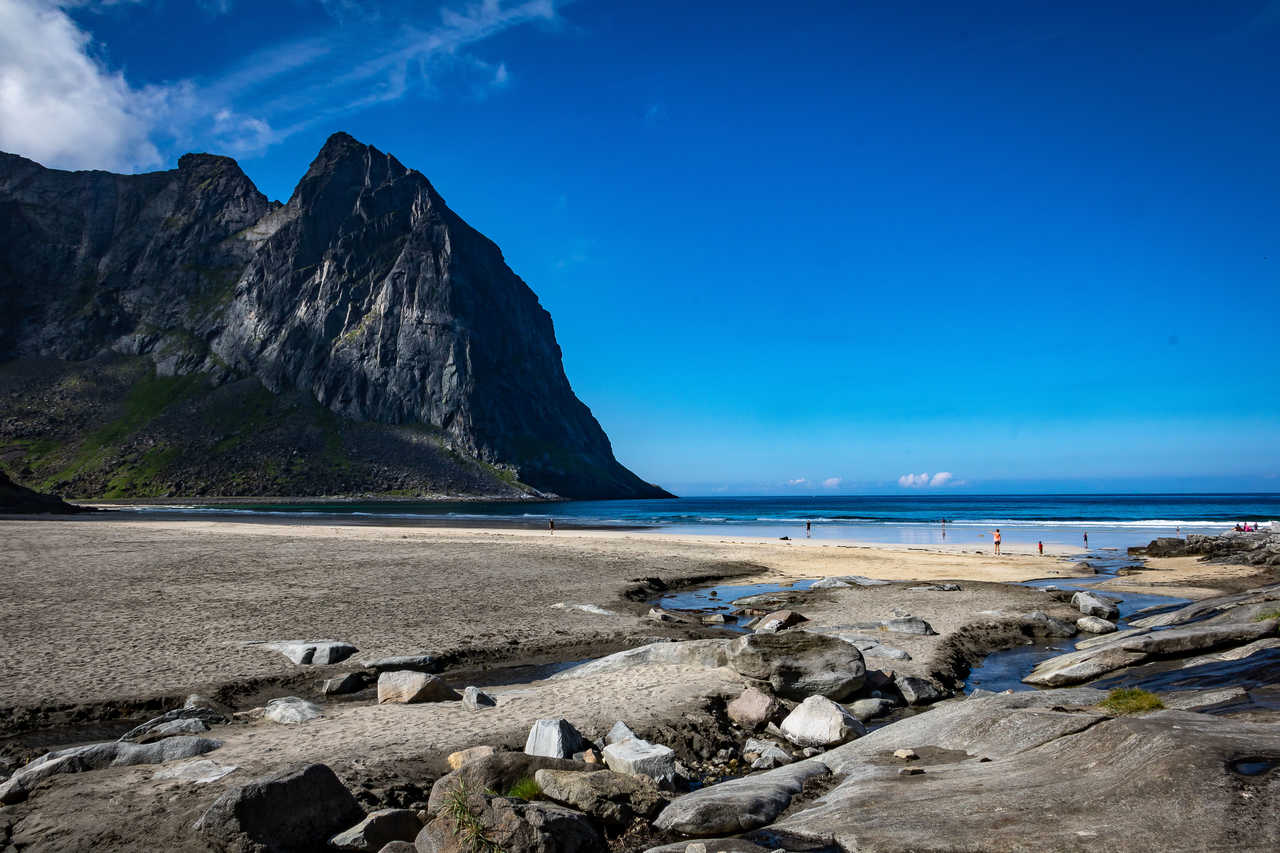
<point x="364" y="291"/>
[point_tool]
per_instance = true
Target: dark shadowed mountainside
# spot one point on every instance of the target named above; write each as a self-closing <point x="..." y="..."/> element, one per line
<point x="176" y="333"/>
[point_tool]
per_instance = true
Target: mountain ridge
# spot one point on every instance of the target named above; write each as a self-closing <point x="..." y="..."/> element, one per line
<point x="364" y="292"/>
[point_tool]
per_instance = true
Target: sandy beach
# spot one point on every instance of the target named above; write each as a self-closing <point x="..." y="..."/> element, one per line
<point x="179" y="606"/>
<point x="101" y="610"/>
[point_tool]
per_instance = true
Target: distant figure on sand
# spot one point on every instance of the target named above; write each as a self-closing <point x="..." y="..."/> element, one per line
<point x="551" y="525"/>
<point x="1040" y="545"/>
<point x="995" y="536"/>
<point x="808" y="525"/>
<point x="1086" y="539"/>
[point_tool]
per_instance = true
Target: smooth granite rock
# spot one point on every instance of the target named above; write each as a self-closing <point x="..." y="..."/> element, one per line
<point x="472" y="753"/>
<point x="620" y="731"/>
<point x="78" y="759"/>
<point x="779" y="620"/>
<point x="738" y="805"/>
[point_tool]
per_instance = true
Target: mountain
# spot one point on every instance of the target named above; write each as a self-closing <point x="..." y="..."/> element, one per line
<point x="176" y="333"/>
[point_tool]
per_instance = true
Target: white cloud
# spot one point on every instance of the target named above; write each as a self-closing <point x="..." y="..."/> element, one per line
<point x="61" y="105"/>
<point x="798" y="481"/>
<point x="831" y="483"/>
<point x="925" y="479"/>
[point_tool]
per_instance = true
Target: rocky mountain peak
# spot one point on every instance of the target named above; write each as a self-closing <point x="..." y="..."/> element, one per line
<point x="364" y="292"/>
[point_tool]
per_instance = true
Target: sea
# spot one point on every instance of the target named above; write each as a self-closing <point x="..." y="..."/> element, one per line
<point x="1108" y="520"/>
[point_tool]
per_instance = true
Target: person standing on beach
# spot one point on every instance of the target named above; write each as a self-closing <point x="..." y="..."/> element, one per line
<point x="1040" y="545"/>
<point x="1086" y="539"/>
<point x="808" y="526"/>
<point x="551" y="525"/>
<point x="996" y="538"/>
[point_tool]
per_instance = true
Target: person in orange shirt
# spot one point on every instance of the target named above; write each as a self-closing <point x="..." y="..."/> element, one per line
<point x="995" y="535"/>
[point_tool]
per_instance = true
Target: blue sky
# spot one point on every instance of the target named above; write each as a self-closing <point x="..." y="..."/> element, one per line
<point x="789" y="248"/>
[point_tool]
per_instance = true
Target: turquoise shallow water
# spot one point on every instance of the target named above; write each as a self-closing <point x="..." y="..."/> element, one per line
<point x="1110" y="520"/>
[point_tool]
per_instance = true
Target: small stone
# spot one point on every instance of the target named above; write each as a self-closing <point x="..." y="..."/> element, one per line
<point x="406" y="686"/>
<point x="866" y="709"/>
<point x="589" y="756"/>
<point x="463" y="756"/>
<point x="1095" y="625"/>
<point x="753" y="709"/>
<point x="554" y="738"/>
<point x="779" y="621"/>
<point x="378" y="829"/>
<point x="910" y="771"/>
<point x="475" y="699"/>
<point x="713" y="619"/>
<point x="905" y="754"/>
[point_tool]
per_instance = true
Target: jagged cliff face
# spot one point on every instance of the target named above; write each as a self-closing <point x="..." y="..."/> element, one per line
<point x="364" y="291"/>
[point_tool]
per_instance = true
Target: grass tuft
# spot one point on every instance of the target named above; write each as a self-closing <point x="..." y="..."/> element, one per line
<point x="1267" y="614"/>
<point x="1131" y="700"/>
<point x="470" y="830"/>
<point x="525" y="789"/>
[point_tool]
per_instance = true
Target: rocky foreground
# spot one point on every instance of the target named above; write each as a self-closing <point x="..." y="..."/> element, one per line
<point x="822" y="729"/>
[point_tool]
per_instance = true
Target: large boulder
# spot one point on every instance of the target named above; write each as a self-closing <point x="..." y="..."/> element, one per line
<point x="472" y="753"/>
<point x="636" y="757"/>
<point x="754" y="709"/>
<point x="497" y="772"/>
<point x="296" y="810"/>
<point x="1168" y="780"/>
<point x="379" y="829"/>
<point x="817" y="721"/>
<point x="798" y="664"/>
<point x="204" y="715"/>
<point x="406" y="686"/>
<point x="613" y="798"/>
<point x="78" y="759"/>
<point x="478" y="821"/>
<point x="554" y="738"/>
